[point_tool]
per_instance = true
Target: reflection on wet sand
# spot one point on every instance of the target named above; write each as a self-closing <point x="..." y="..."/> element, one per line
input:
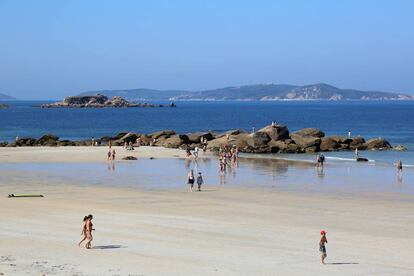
<point x="247" y="172"/>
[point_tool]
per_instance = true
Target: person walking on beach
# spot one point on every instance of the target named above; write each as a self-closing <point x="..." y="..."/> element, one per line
<point x="83" y="233"/>
<point x="109" y="154"/>
<point x="110" y="143"/>
<point x="190" y="180"/>
<point x="356" y="153"/>
<point x="196" y="152"/>
<point x="113" y="155"/>
<point x="200" y="181"/>
<point x="89" y="229"/>
<point x="93" y="141"/>
<point x="322" y="247"/>
<point x="399" y="167"/>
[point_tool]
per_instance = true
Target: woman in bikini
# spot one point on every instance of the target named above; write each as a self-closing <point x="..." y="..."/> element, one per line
<point x="85" y="236"/>
<point x="88" y="230"/>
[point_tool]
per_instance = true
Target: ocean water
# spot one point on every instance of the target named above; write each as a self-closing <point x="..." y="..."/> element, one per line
<point x="393" y="121"/>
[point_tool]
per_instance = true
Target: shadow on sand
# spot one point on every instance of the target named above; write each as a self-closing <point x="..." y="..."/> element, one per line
<point x="111" y="246"/>
<point x="342" y="263"/>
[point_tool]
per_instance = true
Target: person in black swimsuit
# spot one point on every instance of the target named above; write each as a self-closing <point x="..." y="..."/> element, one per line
<point x="190" y="180"/>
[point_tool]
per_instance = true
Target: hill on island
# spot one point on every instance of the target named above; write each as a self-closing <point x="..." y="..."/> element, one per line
<point x="257" y="92"/>
<point x="6" y="97"/>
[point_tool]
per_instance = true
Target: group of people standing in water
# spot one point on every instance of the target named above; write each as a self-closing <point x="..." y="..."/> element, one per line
<point x="227" y="153"/>
<point x="87" y="232"/>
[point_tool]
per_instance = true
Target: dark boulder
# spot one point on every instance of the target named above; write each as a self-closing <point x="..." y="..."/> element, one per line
<point x="238" y="140"/>
<point x="329" y="144"/>
<point x="196" y="137"/>
<point x="166" y="133"/>
<point x="306" y="141"/>
<point x="257" y="139"/>
<point x="176" y="141"/>
<point x="235" y="132"/>
<point x="377" y="144"/>
<point x="48" y="140"/>
<point x="129" y="137"/>
<point x="4" y="144"/>
<point x="311" y="132"/>
<point x="25" y="142"/>
<point x="119" y="136"/>
<point x="278" y="132"/>
<point x="260" y="149"/>
<point x="129" y="158"/>
<point x="357" y="143"/>
<point x="66" y="143"/>
<point x="341" y="139"/>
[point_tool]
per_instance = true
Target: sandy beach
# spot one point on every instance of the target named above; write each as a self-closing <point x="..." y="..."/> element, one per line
<point x="223" y="230"/>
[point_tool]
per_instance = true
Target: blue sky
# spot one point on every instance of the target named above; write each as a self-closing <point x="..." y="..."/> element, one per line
<point x="51" y="49"/>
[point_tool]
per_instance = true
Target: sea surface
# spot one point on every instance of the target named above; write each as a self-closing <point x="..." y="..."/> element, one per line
<point x="392" y="120"/>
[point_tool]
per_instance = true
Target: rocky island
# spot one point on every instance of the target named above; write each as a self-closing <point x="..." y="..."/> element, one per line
<point x="3" y="106"/>
<point x="270" y="139"/>
<point x="96" y="101"/>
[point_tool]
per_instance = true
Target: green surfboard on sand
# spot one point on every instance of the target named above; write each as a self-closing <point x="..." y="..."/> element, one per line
<point x="24" y="195"/>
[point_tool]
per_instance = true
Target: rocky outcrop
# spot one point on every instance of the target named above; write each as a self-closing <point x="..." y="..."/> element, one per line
<point x="96" y="101"/>
<point x="269" y="139"/>
<point x="2" y="105"/>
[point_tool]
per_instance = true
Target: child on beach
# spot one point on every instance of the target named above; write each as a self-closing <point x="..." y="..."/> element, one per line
<point x="200" y="181"/>
<point x="113" y="155"/>
<point x="109" y="154"/>
<point x="322" y="247"/>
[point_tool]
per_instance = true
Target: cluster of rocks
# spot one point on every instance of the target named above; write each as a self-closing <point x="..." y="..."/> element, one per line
<point x="270" y="139"/>
<point x="97" y="101"/>
<point x="2" y="105"/>
<point x="277" y="139"/>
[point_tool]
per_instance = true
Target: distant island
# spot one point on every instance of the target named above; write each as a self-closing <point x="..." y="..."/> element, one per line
<point x="258" y="92"/>
<point x="2" y="105"/>
<point x="97" y="101"/>
<point x="6" y="97"/>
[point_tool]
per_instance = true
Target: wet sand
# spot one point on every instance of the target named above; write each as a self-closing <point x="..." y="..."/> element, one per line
<point x="226" y="229"/>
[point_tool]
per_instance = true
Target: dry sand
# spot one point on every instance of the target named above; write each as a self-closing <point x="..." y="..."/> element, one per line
<point x="220" y="231"/>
